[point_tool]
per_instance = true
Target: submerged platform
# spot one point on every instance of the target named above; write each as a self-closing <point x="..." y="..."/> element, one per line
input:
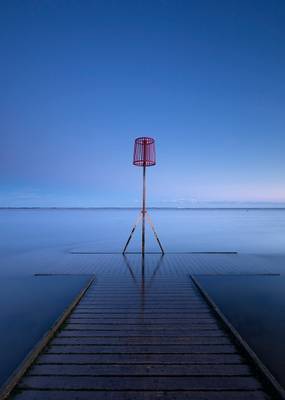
<point x="143" y="330"/>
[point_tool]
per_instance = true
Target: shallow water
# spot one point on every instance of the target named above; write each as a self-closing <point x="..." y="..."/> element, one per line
<point x="255" y="305"/>
<point x="56" y="231"/>
<point x="28" y="307"/>
<point x="44" y="241"/>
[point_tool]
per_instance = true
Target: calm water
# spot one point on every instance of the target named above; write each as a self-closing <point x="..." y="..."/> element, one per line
<point x="34" y="241"/>
<point x="28" y="307"/>
<point x="53" y="232"/>
<point x="255" y="305"/>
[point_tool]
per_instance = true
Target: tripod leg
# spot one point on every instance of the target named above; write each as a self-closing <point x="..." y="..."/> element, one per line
<point x="154" y="232"/>
<point x="132" y="232"/>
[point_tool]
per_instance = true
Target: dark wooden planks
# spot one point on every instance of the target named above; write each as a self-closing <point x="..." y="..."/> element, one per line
<point x="142" y="334"/>
<point x="141" y="358"/>
<point x="139" y="395"/>
<point x="149" y="340"/>
<point x="140" y="369"/>
<point x="124" y="342"/>
<point x="140" y="383"/>
<point x="135" y="327"/>
<point x="142" y="349"/>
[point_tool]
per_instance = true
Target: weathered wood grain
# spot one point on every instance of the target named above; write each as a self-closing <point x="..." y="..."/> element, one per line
<point x="140" y="395"/>
<point x="140" y="340"/>
<point x="128" y="342"/>
<point x="142" y="349"/>
<point x="139" y="383"/>
<point x="141" y="369"/>
<point x="190" y="333"/>
<point x="142" y="358"/>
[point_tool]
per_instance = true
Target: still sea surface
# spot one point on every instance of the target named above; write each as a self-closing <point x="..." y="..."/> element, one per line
<point x="36" y="241"/>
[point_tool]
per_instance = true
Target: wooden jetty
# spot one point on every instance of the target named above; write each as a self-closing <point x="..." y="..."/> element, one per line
<point x="137" y="335"/>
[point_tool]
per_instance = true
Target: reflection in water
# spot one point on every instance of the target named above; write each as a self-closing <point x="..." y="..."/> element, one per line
<point x="142" y="284"/>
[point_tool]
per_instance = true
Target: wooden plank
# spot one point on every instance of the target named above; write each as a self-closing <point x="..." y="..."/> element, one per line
<point x="141" y="319"/>
<point x="140" y="369"/>
<point x="186" y="327"/>
<point x="150" y="301"/>
<point x="140" y="395"/>
<point x="136" y="303"/>
<point x="94" y="307"/>
<point x="147" y="314"/>
<point x="142" y="349"/>
<point x="142" y="316"/>
<point x="140" y="340"/>
<point x="141" y="358"/>
<point x="139" y="383"/>
<point x="144" y="334"/>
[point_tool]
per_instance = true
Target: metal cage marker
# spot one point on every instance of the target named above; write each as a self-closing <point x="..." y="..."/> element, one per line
<point x="144" y="156"/>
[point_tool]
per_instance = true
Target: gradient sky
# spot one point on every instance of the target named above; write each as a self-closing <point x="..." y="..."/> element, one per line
<point x="81" y="79"/>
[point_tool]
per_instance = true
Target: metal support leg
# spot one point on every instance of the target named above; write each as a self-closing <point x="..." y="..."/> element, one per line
<point x="154" y="232"/>
<point x="142" y="216"/>
<point x="143" y="242"/>
<point x="132" y="232"/>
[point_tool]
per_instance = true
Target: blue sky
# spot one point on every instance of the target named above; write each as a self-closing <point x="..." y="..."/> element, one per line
<point x="81" y="79"/>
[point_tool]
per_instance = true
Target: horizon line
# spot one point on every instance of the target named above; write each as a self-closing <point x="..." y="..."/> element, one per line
<point x="138" y="208"/>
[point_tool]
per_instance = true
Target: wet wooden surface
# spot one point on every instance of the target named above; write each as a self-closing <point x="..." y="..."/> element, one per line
<point x="142" y="331"/>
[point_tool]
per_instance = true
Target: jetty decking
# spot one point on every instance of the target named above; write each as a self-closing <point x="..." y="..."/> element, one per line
<point x="143" y="330"/>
